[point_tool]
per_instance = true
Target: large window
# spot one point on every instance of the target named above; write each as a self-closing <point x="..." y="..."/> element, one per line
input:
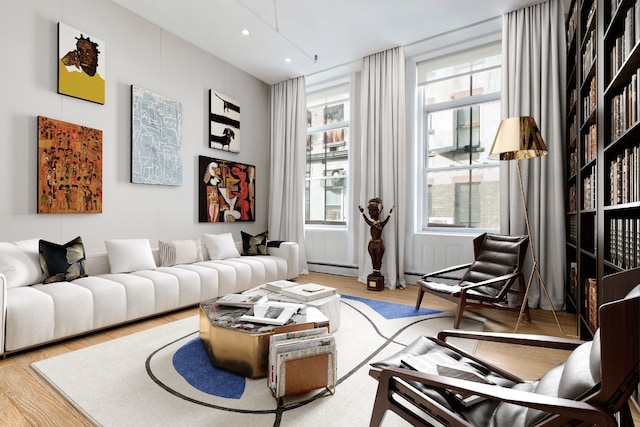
<point x="328" y="113"/>
<point x="460" y="95"/>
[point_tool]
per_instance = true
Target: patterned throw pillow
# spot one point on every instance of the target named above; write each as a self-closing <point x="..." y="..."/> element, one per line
<point x="178" y="252"/>
<point x="62" y="262"/>
<point x="254" y="245"/>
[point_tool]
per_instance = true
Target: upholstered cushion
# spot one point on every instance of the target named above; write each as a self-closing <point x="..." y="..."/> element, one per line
<point x="178" y="252"/>
<point x="62" y="262"/>
<point x="20" y="263"/>
<point x="220" y="246"/>
<point x="254" y="245"/>
<point x="127" y="255"/>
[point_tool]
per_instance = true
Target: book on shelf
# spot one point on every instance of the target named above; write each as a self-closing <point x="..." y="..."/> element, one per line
<point x="592" y="302"/>
<point x="438" y="363"/>
<point x="279" y="285"/>
<point x="241" y="300"/>
<point x="271" y="313"/>
<point x="308" y="292"/>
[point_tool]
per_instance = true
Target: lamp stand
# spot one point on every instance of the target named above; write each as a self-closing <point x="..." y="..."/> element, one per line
<point x="534" y="267"/>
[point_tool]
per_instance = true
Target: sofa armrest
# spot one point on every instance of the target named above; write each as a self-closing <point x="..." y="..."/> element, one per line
<point x="3" y="311"/>
<point x="290" y="252"/>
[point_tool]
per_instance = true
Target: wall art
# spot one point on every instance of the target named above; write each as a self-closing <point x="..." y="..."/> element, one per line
<point x="69" y="167"/>
<point x="81" y="64"/>
<point x="224" y="122"/>
<point x="156" y="138"/>
<point x="227" y="190"/>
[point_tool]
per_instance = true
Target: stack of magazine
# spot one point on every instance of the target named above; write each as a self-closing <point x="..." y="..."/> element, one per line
<point x="313" y="350"/>
<point x="271" y="312"/>
<point x="307" y="292"/>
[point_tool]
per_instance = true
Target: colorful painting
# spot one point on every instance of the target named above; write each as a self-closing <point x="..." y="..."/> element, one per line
<point x="227" y="191"/>
<point x="69" y="167"/>
<point x="224" y="122"/>
<point x="81" y="65"/>
<point x="156" y="138"/>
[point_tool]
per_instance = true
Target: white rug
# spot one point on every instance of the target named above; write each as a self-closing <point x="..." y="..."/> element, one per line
<point x="132" y="381"/>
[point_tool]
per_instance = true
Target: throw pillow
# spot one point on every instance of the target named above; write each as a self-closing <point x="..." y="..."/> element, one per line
<point x="254" y="245"/>
<point x="220" y="246"/>
<point x="61" y="263"/>
<point x="127" y="255"/>
<point x="178" y="252"/>
<point x="20" y="263"/>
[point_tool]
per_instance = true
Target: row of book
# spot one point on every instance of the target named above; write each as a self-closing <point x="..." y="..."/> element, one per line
<point x="589" y="190"/>
<point x="590" y="102"/>
<point x="624" y="108"/>
<point x="624" y="242"/>
<point x="625" y="43"/>
<point x="572" y="198"/>
<point x="590" y="144"/>
<point x="573" y="280"/>
<point x="301" y="361"/>
<point x="572" y="23"/>
<point x="589" y="52"/>
<point x="624" y="176"/>
<point x="591" y="302"/>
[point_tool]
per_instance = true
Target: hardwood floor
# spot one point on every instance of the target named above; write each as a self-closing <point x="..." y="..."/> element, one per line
<point x="27" y="400"/>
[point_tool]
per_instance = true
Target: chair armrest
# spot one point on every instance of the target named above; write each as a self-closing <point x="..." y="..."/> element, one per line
<point x="440" y="273"/>
<point x="545" y="341"/>
<point x="3" y="311"/>
<point x="555" y="405"/>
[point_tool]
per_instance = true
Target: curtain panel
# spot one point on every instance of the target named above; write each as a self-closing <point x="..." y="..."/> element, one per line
<point x="382" y="152"/>
<point x="534" y="63"/>
<point x="287" y="164"/>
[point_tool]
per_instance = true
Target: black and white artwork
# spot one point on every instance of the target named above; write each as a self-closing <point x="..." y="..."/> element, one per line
<point x="224" y="122"/>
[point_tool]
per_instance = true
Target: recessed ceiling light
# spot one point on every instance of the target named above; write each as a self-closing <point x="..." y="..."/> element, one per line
<point x="287" y="59"/>
<point x="245" y="32"/>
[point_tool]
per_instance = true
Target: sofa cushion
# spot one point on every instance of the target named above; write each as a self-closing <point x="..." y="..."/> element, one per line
<point x="127" y="255"/>
<point x="254" y="245"/>
<point x="20" y="263"/>
<point x="220" y="246"/>
<point x="62" y="262"/>
<point x="178" y="252"/>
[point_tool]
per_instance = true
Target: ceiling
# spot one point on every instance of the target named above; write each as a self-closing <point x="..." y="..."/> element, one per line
<point x="315" y="34"/>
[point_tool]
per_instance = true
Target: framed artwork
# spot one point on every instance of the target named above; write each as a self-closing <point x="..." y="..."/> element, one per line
<point x="156" y="138"/>
<point x="227" y="190"/>
<point x="224" y="122"/>
<point x="81" y="64"/>
<point x="69" y="167"/>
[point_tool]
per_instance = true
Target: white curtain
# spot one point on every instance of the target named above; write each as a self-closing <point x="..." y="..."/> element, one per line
<point x="383" y="160"/>
<point x="533" y="52"/>
<point x="287" y="162"/>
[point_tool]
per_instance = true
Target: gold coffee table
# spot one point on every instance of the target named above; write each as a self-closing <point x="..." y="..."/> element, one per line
<point x="242" y="347"/>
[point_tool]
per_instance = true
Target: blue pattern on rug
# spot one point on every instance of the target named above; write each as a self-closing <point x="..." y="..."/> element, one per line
<point x="191" y="361"/>
<point x="391" y="310"/>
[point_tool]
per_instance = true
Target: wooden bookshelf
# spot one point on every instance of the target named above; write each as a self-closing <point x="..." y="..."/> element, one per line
<point x="602" y="150"/>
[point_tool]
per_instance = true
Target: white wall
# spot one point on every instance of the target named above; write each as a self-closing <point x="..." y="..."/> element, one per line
<point x="136" y="52"/>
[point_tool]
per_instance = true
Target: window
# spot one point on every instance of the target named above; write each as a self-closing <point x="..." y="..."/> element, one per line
<point x="328" y="113"/>
<point x="460" y="95"/>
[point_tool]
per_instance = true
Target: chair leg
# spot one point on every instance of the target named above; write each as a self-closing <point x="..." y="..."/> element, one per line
<point x="420" y="295"/>
<point x="461" y="304"/>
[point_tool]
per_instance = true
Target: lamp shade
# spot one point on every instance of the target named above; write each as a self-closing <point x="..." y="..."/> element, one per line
<point x="518" y="138"/>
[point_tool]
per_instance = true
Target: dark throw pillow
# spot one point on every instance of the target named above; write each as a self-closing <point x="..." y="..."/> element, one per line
<point x="62" y="262"/>
<point x="254" y="245"/>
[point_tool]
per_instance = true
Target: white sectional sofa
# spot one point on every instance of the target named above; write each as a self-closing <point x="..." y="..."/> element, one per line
<point x="34" y="313"/>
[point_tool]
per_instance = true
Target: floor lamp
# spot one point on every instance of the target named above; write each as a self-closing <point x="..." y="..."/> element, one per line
<point x="519" y="138"/>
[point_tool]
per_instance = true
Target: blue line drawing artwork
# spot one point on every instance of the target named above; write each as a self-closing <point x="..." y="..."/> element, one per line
<point x="156" y="138"/>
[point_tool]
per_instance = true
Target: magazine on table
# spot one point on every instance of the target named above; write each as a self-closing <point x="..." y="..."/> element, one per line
<point x="241" y="300"/>
<point x="271" y="313"/>
<point x="437" y="363"/>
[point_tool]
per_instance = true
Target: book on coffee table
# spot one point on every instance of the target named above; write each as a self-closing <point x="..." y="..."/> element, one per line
<point x="271" y="313"/>
<point x="241" y="300"/>
<point x="279" y="285"/>
<point x="308" y="292"/>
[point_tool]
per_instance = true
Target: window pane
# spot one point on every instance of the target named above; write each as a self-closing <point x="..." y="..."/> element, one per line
<point x="480" y="83"/>
<point x="464" y="198"/>
<point x="461" y="136"/>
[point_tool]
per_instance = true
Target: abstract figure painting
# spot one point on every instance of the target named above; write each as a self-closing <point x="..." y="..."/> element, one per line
<point x="227" y="191"/>
<point x="156" y="138"/>
<point x="224" y="122"/>
<point x="69" y="167"/>
<point x="81" y="65"/>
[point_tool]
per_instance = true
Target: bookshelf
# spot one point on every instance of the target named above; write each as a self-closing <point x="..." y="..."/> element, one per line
<point x="602" y="150"/>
